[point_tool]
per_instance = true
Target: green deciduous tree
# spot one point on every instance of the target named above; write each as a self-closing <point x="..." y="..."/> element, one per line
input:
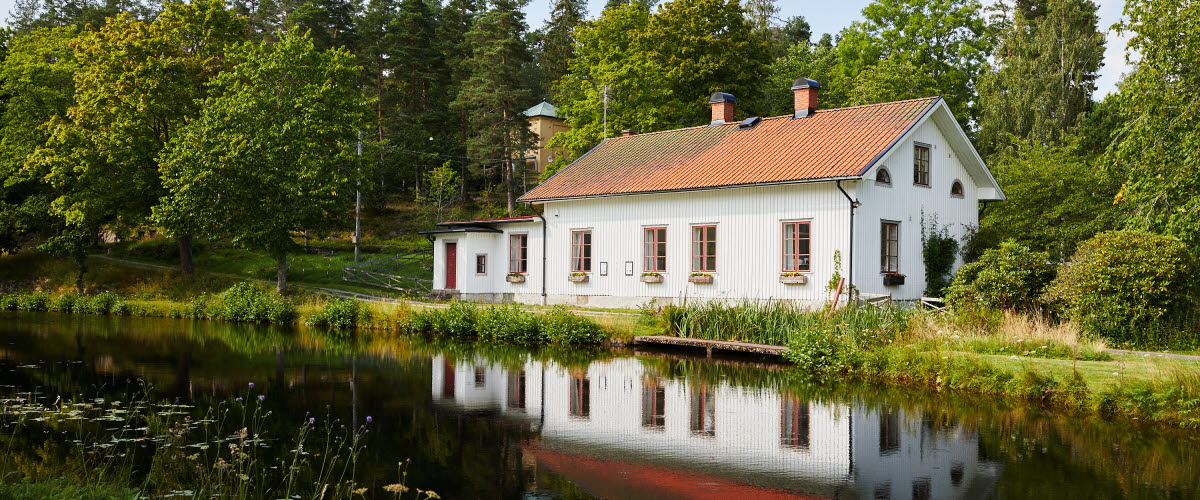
<point x="442" y="188"/>
<point x="1057" y="197"/>
<point x="1159" y="147"/>
<point x="944" y="42"/>
<point x="1047" y="58"/>
<point x="658" y="69"/>
<point x="272" y="153"/>
<point x="36" y="84"/>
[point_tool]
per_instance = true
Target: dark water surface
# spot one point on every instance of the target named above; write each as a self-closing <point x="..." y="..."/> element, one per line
<point x="482" y="421"/>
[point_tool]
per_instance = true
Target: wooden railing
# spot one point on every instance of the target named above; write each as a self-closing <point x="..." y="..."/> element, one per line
<point x="397" y="273"/>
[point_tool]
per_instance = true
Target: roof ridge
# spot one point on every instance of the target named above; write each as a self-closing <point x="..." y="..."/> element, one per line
<point x="844" y="108"/>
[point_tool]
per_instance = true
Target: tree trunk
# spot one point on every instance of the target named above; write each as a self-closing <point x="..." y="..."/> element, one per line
<point x="185" y="254"/>
<point x="81" y="261"/>
<point x="281" y="275"/>
<point x="508" y="184"/>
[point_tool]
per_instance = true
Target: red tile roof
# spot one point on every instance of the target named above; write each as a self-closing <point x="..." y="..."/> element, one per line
<point x="833" y="143"/>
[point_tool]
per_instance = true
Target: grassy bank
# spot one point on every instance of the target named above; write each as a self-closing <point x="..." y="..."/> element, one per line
<point x="251" y="303"/>
<point x="980" y="351"/>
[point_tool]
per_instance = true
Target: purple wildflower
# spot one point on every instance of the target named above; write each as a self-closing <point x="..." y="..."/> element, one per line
<point x="251" y="385"/>
<point x="239" y="399"/>
<point x="369" y="419"/>
<point x="262" y="397"/>
<point x="312" y="420"/>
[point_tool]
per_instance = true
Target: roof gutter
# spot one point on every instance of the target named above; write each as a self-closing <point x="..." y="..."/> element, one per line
<point x="706" y="188"/>
<point x="543" y="217"/>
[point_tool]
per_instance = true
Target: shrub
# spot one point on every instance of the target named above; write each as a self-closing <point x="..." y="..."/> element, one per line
<point x="1121" y="285"/>
<point x="339" y="313"/>
<point x="33" y="302"/>
<point x="509" y="323"/>
<point x="8" y="302"/>
<point x="63" y="303"/>
<point x="1010" y="276"/>
<point x="561" y="326"/>
<point x="818" y="351"/>
<point x="200" y="307"/>
<point x="939" y="250"/>
<point x="459" y="319"/>
<point x="101" y="303"/>
<point x="250" y="303"/>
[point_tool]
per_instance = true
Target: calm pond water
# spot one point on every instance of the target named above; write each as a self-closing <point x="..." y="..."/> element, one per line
<point x="482" y="421"/>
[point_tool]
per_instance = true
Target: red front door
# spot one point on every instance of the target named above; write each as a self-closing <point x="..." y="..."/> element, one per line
<point x="451" y="266"/>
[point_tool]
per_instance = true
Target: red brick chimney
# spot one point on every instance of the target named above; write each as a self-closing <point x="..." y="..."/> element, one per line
<point x="628" y="132"/>
<point x="722" y="108"/>
<point x="806" y="96"/>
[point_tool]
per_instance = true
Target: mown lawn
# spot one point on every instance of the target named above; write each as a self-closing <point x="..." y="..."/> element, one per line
<point x="1099" y="375"/>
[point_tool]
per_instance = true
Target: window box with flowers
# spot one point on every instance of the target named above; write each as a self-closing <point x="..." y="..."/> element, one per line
<point x="515" y="278"/>
<point x="893" y="279"/>
<point x="652" y="277"/>
<point x="578" y="277"/>
<point x="701" y="278"/>
<point x="793" y="278"/>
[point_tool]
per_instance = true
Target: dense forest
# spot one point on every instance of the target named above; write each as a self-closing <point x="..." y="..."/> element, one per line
<point x="120" y="117"/>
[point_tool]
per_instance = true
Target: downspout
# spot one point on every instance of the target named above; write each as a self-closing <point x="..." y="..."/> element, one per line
<point x="543" y="217"/>
<point x="854" y="204"/>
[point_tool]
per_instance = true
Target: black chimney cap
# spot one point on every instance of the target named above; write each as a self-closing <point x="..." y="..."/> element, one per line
<point x="721" y="97"/>
<point x="805" y="83"/>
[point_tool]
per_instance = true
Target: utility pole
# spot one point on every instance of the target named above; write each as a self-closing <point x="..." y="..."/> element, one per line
<point x="358" y="201"/>
<point x="605" y="112"/>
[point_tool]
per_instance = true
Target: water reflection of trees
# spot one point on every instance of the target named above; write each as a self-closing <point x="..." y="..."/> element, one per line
<point x="204" y="362"/>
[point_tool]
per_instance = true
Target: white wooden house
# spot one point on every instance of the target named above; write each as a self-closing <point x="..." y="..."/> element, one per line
<point x="752" y="210"/>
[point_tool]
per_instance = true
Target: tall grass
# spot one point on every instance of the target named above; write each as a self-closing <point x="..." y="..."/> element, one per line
<point x="777" y="323"/>
<point x="989" y="331"/>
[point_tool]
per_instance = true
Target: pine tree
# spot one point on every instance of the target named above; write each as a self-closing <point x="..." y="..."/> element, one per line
<point x="330" y="22"/>
<point x="497" y="90"/>
<point x="558" y="38"/>
<point x="1047" y="62"/>
<point x="455" y="21"/>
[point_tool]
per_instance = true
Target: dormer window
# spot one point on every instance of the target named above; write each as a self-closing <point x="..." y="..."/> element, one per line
<point x="956" y="189"/>
<point x="883" y="177"/>
<point x="921" y="165"/>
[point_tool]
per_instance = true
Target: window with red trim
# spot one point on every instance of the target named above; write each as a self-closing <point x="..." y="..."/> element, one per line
<point x="796" y="246"/>
<point x="889" y="236"/>
<point x="654" y="249"/>
<point x="581" y="251"/>
<point x="704" y="249"/>
<point x="518" y="253"/>
<point x="921" y="165"/>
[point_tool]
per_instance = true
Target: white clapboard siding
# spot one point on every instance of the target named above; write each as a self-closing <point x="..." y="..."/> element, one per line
<point x="905" y="202"/>
<point x="749" y="241"/>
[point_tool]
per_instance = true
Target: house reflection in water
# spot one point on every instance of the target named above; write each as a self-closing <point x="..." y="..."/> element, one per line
<point x="617" y="430"/>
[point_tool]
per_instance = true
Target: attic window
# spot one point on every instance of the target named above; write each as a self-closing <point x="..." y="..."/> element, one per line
<point x="956" y="189"/>
<point x="883" y="177"/>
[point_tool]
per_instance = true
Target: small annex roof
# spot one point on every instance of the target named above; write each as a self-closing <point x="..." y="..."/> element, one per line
<point x="542" y="109"/>
<point x="485" y="222"/>
<point x="831" y="144"/>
